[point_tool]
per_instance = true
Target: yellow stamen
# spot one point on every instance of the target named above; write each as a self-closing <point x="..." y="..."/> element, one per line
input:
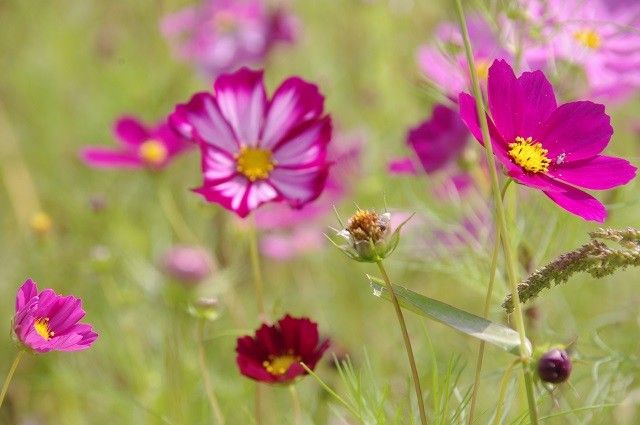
<point x="279" y="365"/>
<point x="588" y="38"/>
<point x="153" y="152"/>
<point x="42" y="327"/>
<point x="482" y="69"/>
<point x="254" y="163"/>
<point x="530" y="156"/>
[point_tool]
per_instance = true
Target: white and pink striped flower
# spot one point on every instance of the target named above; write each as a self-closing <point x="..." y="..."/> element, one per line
<point x="256" y="150"/>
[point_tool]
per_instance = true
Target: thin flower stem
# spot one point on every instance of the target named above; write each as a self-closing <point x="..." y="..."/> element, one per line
<point x="485" y="313"/>
<point x="503" y="392"/>
<point x="173" y="215"/>
<point x="208" y="386"/>
<point x="407" y="343"/>
<point x="328" y="389"/>
<point x="297" y="410"/>
<point x="257" y="273"/>
<point x="12" y="370"/>
<point x="501" y="218"/>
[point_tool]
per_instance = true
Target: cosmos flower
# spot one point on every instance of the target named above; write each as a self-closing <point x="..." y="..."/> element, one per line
<point x="45" y="321"/>
<point x="274" y="353"/>
<point x="545" y="146"/>
<point x="219" y="36"/>
<point x="444" y="64"/>
<point x="436" y="142"/>
<point x="140" y="146"/>
<point x="256" y="150"/>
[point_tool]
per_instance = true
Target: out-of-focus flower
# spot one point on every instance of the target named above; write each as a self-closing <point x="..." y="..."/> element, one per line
<point x="256" y="151"/>
<point x="187" y="264"/>
<point x="45" y="321"/>
<point x="369" y="236"/>
<point x="140" y="146"/>
<point x="436" y="142"/>
<point x="274" y="353"/>
<point x="549" y="147"/>
<point x="444" y="64"/>
<point x="41" y="223"/>
<point x="554" y="366"/>
<point x="602" y="40"/>
<point x="206" y="308"/>
<point x="219" y="36"/>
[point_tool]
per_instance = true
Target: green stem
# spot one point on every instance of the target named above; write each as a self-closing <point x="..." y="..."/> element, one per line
<point x="202" y="359"/>
<point x="503" y="391"/>
<point x="328" y="389"/>
<point x="12" y="370"/>
<point x="257" y="273"/>
<point x="295" y="400"/>
<point x="501" y="218"/>
<point x="485" y="314"/>
<point x="173" y="215"/>
<point x="407" y="343"/>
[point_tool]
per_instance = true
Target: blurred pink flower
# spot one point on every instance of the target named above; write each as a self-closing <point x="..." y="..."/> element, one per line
<point x="187" y="264"/>
<point x="219" y="36"/>
<point x="140" y="146"/>
<point x="256" y="150"/>
<point x="45" y="321"/>
<point x="443" y="62"/>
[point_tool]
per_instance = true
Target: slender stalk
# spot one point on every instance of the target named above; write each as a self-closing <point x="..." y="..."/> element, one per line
<point x="173" y="215"/>
<point x="485" y="314"/>
<point x="295" y="401"/>
<point x="503" y="391"/>
<point x="208" y="386"/>
<point x="12" y="370"/>
<point x="257" y="273"/>
<point x="407" y="343"/>
<point x="501" y="218"/>
<point x="328" y="389"/>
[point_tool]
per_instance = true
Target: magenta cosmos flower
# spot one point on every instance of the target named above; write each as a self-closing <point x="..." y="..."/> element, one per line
<point x="45" y="321"/>
<point x="274" y="354"/>
<point x="140" y="146"/>
<point x="545" y="146"/>
<point x="221" y="35"/>
<point x="255" y="150"/>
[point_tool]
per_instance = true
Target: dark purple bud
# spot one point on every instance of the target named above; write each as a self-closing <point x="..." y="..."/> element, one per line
<point x="554" y="366"/>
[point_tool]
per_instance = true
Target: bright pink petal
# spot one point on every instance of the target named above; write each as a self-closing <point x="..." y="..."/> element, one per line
<point x="598" y="173"/>
<point x="293" y="103"/>
<point x="299" y="186"/>
<point x="242" y="101"/>
<point x="401" y="166"/>
<point x="238" y="194"/>
<point x="579" y="130"/>
<point x="539" y="102"/>
<point x="307" y="145"/>
<point x="505" y="100"/>
<point x="216" y="165"/>
<point x="579" y="203"/>
<point x="106" y="158"/>
<point x="130" y="131"/>
<point x="200" y="119"/>
<point x="536" y="181"/>
<point x="27" y="291"/>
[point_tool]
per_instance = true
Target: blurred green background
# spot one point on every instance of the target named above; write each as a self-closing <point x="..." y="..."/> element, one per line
<point x="69" y="68"/>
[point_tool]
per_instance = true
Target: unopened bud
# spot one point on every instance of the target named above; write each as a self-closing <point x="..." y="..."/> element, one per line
<point x="187" y="264"/>
<point x="554" y="366"/>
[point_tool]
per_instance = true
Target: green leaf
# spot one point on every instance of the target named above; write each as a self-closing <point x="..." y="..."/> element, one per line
<point x="470" y="324"/>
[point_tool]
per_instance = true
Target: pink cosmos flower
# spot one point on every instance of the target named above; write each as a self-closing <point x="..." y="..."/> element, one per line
<point x="444" y="63"/>
<point x="256" y="150"/>
<point x="140" y="146"/>
<point x="436" y="142"/>
<point x="220" y="36"/>
<point x="45" y="321"/>
<point x="545" y="146"/>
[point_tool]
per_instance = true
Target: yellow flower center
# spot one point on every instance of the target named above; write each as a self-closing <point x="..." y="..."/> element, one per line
<point x="279" y="365"/>
<point x="588" y="38"/>
<point x="42" y="327"/>
<point x="254" y="163"/>
<point x="529" y="155"/>
<point x="482" y="69"/>
<point x="153" y="152"/>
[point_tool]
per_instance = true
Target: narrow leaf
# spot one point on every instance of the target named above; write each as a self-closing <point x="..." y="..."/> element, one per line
<point x="470" y="324"/>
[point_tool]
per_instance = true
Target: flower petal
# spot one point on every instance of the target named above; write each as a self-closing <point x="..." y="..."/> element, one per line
<point x="200" y="119"/>
<point x="107" y="158"/>
<point x="579" y="203"/>
<point x="505" y="99"/>
<point x="579" y="130"/>
<point x="299" y="186"/>
<point x="27" y="291"/>
<point x="401" y="166"/>
<point x="536" y="181"/>
<point x="293" y="103"/>
<point x="216" y="165"/>
<point x="598" y="173"/>
<point x="539" y="102"/>
<point x="308" y="145"/>
<point x="130" y="131"/>
<point x="242" y="100"/>
<point x="239" y="195"/>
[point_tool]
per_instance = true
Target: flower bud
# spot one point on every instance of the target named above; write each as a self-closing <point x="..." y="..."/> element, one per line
<point x="207" y="308"/>
<point x="369" y="237"/>
<point x="554" y="366"/>
<point x="187" y="264"/>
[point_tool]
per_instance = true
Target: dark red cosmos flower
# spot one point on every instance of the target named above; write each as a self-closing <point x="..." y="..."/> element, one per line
<point x="274" y="354"/>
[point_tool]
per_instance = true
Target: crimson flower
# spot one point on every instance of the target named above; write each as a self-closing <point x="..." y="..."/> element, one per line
<point x="548" y="147"/>
<point x="274" y="353"/>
